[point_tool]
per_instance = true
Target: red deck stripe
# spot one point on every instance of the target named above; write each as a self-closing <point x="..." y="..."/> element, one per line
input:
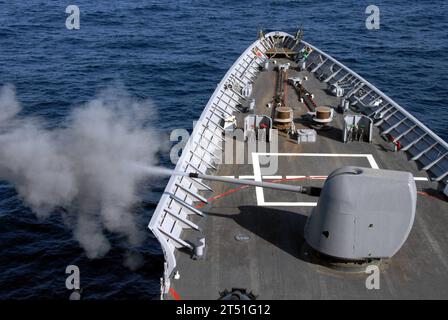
<point x="200" y="205"/>
<point x="230" y="191"/>
<point x="174" y="294"/>
<point x="423" y="193"/>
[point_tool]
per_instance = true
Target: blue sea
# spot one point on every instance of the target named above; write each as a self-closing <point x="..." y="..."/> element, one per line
<point x="175" y="53"/>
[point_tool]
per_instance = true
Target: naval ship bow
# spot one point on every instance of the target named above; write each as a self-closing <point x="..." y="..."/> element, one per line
<point x="231" y="231"/>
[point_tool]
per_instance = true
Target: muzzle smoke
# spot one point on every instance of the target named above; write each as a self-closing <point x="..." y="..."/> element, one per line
<point x="91" y="167"/>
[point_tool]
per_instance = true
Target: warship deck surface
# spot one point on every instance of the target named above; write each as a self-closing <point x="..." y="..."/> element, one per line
<point x="271" y="258"/>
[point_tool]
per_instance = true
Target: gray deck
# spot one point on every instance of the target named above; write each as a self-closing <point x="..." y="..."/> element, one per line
<point x="274" y="263"/>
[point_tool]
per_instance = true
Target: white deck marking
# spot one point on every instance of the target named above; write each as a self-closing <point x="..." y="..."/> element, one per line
<point x="272" y="177"/>
<point x="290" y="204"/>
<point x="372" y="161"/>
<point x="369" y="157"/>
<point x="295" y="177"/>
<point x="257" y="174"/>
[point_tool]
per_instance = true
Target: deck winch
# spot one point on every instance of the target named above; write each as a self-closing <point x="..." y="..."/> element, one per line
<point x="362" y="213"/>
<point x="283" y="117"/>
<point x="323" y="115"/>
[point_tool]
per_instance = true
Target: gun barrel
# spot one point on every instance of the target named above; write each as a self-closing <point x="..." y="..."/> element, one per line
<point x="277" y="186"/>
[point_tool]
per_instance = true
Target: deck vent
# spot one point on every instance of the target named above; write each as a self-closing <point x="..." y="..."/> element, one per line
<point x="242" y="237"/>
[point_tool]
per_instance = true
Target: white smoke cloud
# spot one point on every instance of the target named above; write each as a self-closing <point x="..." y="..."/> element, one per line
<point x="133" y="260"/>
<point x="9" y="106"/>
<point x="87" y="167"/>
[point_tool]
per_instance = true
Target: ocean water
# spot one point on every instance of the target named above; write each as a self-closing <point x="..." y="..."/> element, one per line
<point x="175" y="52"/>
